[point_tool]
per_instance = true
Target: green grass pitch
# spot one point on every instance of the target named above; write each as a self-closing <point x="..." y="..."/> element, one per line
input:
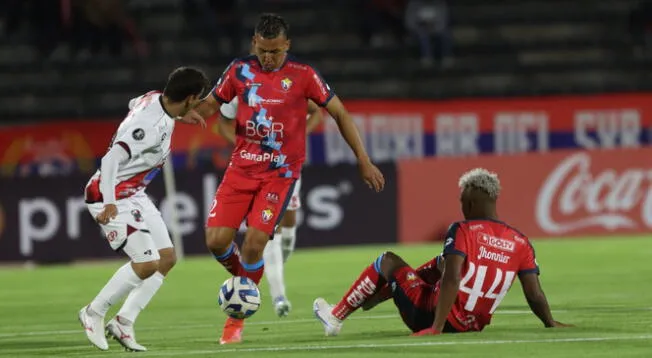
<point x="600" y="285"/>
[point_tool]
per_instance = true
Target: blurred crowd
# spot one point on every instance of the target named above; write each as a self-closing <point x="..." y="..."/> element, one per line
<point x="100" y="28"/>
<point x="95" y="28"/>
<point x="424" y="22"/>
<point x="88" y="27"/>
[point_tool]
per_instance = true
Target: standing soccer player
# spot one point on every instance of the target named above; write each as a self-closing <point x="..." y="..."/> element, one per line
<point x="116" y="198"/>
<point x="272" y="88"/>
<point x="279" y="249"/>
<point x="482" y="257"/>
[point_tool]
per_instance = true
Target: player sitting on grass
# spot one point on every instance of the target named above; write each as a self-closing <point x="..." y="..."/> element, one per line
<point x="481" y="258"/>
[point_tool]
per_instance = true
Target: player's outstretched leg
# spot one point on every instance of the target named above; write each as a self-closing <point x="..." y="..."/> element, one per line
<point x="252" y="266"/>
<point x="273" y="257"/>
<point x="370" y="286"/>
<point x="121" y="327"/>
<point x="125" y="279"/>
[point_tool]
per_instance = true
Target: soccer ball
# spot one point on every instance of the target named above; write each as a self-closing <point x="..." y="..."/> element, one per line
<point x="239" y="297"/>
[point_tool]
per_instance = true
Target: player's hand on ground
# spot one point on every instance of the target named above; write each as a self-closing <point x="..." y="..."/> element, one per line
<point x="110" y="211"/>
<point x="372" y="175"/>
<point x="556" y="324"/>
<point x="193" y="117"/>
<point x="426" y="332"/>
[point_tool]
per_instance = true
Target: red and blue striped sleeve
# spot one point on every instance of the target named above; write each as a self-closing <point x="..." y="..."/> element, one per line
<point x="225" y="88"/>
<point x="455" y="243"/>
<point x="317" y="89"/>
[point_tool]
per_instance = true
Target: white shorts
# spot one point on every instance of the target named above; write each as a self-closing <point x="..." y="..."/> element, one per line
<point x="295" y="200"/>
<point x="136" y="214"/>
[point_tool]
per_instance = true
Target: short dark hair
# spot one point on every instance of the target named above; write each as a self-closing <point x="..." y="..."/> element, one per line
<point x="270" y="26"/>
<point x="184" y="82"/>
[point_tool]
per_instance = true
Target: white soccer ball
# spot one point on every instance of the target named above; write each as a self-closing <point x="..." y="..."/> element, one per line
<point x="239" y="297"/>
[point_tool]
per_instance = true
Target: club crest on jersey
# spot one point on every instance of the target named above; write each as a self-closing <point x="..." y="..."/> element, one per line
<point x="267" y="215"/>
<point x="138" y="134"/>
<point x="137" y="215"/>
<point x="411" y="276"/>
<point x="286" y="83"/>
<point x="112" y="235"/>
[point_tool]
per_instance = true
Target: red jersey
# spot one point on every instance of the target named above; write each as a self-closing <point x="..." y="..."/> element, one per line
<point x="271" y="118"/>
<point x="494" y="254"/>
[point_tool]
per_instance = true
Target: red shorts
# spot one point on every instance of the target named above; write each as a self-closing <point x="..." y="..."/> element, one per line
<point x="261" y="202"/>
<point x="415" y="299"/>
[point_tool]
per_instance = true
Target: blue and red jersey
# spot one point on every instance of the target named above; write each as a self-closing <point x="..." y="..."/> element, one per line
<point x="271" y="117"/>
<point x="495" y="254"/>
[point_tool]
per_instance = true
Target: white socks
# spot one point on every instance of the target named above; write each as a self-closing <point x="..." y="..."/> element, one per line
<point x="288" y="239"/>
<point x="273" y="257"/>
<point x="139" y="298"/>
<point x="123" y="281"/>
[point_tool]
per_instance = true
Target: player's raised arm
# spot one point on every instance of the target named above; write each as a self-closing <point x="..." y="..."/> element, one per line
<point x="315" y="116"/>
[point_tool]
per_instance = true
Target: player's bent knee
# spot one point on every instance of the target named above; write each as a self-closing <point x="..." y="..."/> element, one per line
<point x="167" y="261"/>
<point x="389" y="262"/>
<point x="145" y="269"/>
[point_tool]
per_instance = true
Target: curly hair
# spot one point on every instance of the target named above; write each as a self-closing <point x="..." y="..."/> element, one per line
<point x="481" y="179"/>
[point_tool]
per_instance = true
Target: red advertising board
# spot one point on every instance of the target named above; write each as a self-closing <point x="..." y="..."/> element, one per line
<point x="392" y="130"/>
<point x="565" y="193"/>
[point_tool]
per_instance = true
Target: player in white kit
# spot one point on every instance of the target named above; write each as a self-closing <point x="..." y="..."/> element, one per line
<point x="279" y="249"/>
<point x="115" y="196"/>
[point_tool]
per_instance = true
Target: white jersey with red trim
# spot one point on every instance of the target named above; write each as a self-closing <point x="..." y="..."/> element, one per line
<point x="145" y="134"/>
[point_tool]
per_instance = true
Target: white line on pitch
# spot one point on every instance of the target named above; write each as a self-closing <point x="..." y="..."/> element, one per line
<point x="397" y="345"/>
<point x="280" y="321"/>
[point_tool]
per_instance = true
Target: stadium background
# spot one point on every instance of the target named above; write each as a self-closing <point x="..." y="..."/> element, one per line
<point x="522" y="84"/>
<point x="554" y="97"/>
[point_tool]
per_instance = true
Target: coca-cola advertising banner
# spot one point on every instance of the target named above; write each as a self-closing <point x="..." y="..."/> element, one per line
<point x="566" y="193"/>
<point x="391" y="130"/>
<point x="46" y="220"/>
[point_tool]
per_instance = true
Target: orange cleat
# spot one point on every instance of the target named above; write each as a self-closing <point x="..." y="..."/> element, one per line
<point x="232" y="332"/>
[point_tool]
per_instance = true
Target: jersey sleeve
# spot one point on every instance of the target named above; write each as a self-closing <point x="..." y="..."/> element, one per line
<point x="455" y="241"/>
<point x="137" y="139"/>
<point x="317" y="89"/>
<point x="529" y="261"/>
<point x="229" y="110"/>
<point x="225" y="89"/>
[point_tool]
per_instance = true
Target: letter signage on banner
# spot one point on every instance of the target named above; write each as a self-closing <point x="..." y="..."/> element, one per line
<point x="565" y="193"/>
<point x="46" y="220"/>
<point x="503" y="126"/>
<point x="391" y="130"/>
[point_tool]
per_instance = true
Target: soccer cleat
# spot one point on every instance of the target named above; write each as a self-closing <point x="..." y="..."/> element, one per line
<point x="232" y="332"/>
<point x="94" y="328"/>
<point x="282" y="306"/>
<point x="322" y="309"/>
<point x="124" y="334"/>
